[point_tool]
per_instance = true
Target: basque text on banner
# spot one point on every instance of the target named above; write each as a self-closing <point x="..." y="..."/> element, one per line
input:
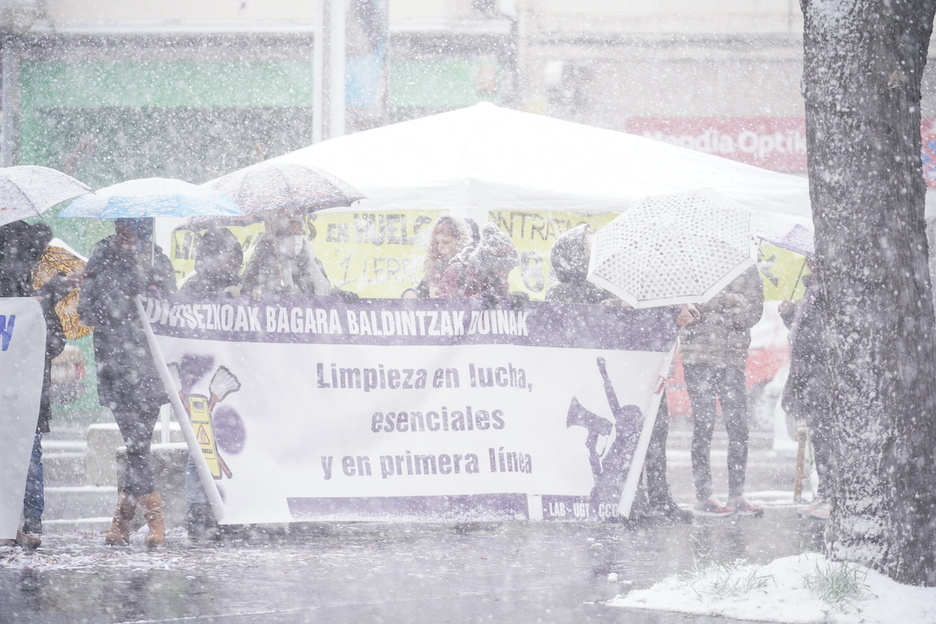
<point x="310" y="408"/>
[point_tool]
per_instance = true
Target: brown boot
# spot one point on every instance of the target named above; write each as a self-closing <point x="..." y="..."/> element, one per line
<point x="24" y="541"/>
<point x="119" y="532"/>
<point x="155" y="520"/>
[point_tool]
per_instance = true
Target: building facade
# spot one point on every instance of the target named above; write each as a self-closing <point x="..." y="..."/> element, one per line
<point x="114" y="89"/>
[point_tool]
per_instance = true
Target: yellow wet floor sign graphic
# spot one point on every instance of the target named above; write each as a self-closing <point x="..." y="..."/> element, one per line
<point x="202" y="436"/>
<point x="199" y="408"/>
<point x="201" y="423"/>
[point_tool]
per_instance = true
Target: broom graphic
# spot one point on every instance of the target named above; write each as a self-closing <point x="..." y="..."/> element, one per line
<point x="222" y="384"/>
<point x="199" y="409"/>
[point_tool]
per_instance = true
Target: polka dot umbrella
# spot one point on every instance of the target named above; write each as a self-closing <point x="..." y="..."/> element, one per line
<point x="673" y="249"/>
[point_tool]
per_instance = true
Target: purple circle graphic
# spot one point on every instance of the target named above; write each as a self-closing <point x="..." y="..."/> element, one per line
<point x="228" y="429"/>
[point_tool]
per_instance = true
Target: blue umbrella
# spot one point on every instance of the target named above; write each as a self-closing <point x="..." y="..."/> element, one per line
<point x="151" y="197"/>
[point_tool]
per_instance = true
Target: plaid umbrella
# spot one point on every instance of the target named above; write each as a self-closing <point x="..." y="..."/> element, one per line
<point x="59" y="258"/>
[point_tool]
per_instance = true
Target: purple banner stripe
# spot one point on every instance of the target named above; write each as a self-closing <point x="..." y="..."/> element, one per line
<point x="329" y="320"/>
<point x="430" y="508"/>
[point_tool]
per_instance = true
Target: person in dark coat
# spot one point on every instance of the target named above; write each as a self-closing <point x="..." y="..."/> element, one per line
<point x="570" y="257"/>
<point x="714" y="343"/>
<point x="218" y="260"/>
<point x="806" y="394"/>
<point x="21" y="248"/>
<point x="121" y="267"/>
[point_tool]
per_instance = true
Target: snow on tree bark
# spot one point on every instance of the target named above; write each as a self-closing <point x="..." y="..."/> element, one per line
<point x="863" y="66"/>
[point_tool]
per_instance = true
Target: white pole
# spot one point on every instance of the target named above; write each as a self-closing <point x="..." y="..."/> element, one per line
<point x="318" y="73"/>
<point x="164" y="422"/>
<point x="336" y="68"/>
<point x="9" y="107"/>
<point x="181" y="415"/>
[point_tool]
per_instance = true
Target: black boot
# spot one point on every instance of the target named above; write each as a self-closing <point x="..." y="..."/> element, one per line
<point x="32" y="525"/>
<point x="671" y="511"/>
<point x="200" y="522"/>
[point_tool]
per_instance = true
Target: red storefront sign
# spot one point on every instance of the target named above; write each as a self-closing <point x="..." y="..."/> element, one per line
<point x="776" y="143"/>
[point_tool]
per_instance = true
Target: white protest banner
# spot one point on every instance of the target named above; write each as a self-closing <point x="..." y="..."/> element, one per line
<point x="22" y="357"/>
<point x="316" y="409"/>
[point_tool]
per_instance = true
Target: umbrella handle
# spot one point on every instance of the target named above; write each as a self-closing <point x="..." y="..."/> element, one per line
<point x="799" y="278"/>
<point x="276" y="256"/>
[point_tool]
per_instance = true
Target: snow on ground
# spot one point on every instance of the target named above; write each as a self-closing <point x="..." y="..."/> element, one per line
<point x="802" y="589"/>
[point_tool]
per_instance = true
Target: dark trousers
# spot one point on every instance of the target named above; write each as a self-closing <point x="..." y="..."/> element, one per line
<point x="34" y="500"/>
<point x="136" y="425"/>
<point x="658" y="494"/>
<point x="820" y="437"/>
<point x="705" y="383"/>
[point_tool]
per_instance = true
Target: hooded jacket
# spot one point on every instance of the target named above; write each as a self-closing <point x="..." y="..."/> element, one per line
<point x="126" y="373"/>
<point x="218" y="259"/>
<point x="569" y="259"/>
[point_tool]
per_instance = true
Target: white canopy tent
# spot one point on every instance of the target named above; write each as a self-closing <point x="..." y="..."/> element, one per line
<point x="485" y="157"/>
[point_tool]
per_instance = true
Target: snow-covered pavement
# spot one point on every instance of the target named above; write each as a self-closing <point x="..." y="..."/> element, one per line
<point x="509" y="572"/>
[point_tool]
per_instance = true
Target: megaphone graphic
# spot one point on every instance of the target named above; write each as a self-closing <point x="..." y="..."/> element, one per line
<point x="578" y="416"/>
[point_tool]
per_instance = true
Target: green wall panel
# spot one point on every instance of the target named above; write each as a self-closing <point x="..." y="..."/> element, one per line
<point x="167" y="83"/>
<point x="439" y="84"/>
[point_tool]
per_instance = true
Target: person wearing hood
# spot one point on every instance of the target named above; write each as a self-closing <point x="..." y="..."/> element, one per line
<point x="21" y="248"/>
<point x="570" y="257"/>
<point x="122" y="266"/>
<point x="806" y="393"/>
<point x="481" y="271"/>
<point x="284" y="262"/>
<point x="218" y="260"/>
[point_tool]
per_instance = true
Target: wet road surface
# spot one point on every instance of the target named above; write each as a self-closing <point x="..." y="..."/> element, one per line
<point x="511" y="572"/>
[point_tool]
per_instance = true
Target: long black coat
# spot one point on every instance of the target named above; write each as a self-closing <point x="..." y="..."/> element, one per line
<point x="806" y="394"/>
<point x="126" y="374"/>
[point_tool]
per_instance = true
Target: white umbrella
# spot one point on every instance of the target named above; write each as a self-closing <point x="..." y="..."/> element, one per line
<point x="672" y="249"/>
<point x="29" y="190"/>
<point x="269" y="187"/>
<point x="151" y="197"/>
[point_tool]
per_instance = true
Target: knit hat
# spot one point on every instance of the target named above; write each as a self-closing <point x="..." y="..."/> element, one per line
<point x="495" y="250"/>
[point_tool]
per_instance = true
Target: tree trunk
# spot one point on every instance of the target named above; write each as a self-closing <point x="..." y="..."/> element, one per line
<point x="864" y="62"/>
